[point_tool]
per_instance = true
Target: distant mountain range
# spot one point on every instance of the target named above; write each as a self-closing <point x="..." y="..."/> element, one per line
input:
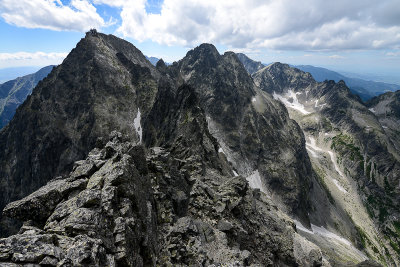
<point x="365" y="89"/>
<point x="14" y="92"/>
<point x="8" y="74"/>
<point x="154" y="60"/>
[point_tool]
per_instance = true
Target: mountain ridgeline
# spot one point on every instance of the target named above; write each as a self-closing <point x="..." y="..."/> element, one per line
<point x="113" y="161"/>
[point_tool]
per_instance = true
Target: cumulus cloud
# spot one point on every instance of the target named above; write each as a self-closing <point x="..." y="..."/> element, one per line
<point x="30" y="59"/>
<point x="78" y="15"/>
<point x="280" y="24"/>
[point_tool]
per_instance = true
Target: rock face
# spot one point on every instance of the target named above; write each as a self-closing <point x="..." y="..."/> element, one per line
<point x="362" y="159"/>
<point x="386" y="108"/>
<point x="250" y="65"/>
<point x="103" y="85"/>
<point x="13" y="93"/>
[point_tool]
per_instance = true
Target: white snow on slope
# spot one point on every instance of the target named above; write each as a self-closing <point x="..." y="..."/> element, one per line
<point x="372" y="110"/>
<point x="220" y="150"/>
<point x="138" y="127"/>
<point x="339" y="186"/>
<point x="333" y="159"/>
<point x="254" y="180"/>
<point x="253" y="99"/>
<point x="316" y="230"/>
<point x="312" y="148"/>
<point x="321" y="231"/>
<point x="290" y="100"/>
<point x="320" y="106"/>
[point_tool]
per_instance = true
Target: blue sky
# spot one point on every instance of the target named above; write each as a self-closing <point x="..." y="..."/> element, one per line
<point x="360" y="36"/>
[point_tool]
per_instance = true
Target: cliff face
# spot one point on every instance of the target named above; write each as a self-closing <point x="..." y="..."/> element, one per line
<point x="349" y="149"/>
<point x="202" y="167"/>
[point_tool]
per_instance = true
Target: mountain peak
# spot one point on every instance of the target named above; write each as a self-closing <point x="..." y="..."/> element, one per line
<point x="204" y="51"/>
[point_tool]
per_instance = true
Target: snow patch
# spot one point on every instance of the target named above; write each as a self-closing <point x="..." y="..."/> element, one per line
<point x="339" y="186"/>
<point x="235" y="173"/>
<point x="138" y="127"/>
<point x="253" y="99"/>
<point x="335" y="164"/>
<point x="320" y="106"/>
<point x="294" y="104"/>
<point x="372" y="110"/>
<point x="312" y="148"/>
<point x="313" y="154"/>
<point x="316" y="230"/>
<point x="220" y="150"/>
<point x="254" y="180"/>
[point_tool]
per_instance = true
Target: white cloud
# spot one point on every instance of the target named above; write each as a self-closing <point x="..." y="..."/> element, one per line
<point x="79" y="15"/>
<point x="336" y="57"/>
<point x="313" y="25"/>
<point x="393" y="54"/>
<point x="30" y="59"/>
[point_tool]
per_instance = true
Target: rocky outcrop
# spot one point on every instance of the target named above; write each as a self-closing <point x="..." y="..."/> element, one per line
<point x="13" y="93"/>
<point x="101" y="214"/>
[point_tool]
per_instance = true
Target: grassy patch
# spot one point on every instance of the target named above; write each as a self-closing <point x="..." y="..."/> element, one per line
<point x="344" y="144"/>
<point x="363" y="237"/>
<point x="395" y="246"/>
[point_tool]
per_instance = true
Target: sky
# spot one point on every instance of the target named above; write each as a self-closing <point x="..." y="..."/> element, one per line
<point x="359" y="36"/>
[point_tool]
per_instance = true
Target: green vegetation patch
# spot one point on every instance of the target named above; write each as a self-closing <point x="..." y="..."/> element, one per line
<point x="344" y="145"/>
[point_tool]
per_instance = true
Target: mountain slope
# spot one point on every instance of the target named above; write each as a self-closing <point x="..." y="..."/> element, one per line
<point x="348" y="148"/>
<point x="14" y="92"/>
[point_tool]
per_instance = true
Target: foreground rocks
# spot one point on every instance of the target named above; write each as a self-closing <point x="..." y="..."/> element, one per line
<point x="118" y="209"/>
<point x="102" y="214"/>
